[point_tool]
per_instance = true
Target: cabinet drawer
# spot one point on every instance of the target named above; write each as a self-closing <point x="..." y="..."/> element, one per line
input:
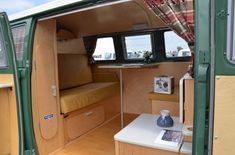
<point x="76" y="125"/>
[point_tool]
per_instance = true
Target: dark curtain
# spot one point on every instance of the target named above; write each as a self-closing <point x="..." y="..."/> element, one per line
<point x="90" y="45"/>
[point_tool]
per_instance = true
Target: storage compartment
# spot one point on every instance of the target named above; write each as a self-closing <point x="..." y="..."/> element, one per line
<point x="80" y="122"/>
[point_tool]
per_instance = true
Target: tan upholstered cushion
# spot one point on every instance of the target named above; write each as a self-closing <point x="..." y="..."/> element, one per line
<point x="73" y="70"/>
<point x="79" y="97"/>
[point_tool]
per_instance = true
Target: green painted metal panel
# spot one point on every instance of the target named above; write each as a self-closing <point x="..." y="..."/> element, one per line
<point x="223" y="66"/>
<point x="24" y="69"/>
<point x="202" y="77"/>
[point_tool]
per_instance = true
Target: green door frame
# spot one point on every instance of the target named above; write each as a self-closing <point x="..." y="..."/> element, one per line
<point x="223" y="66"/>
<point x="202" y="77"/>
<point x="12" y="69"/>
<point x="24" y="70"/>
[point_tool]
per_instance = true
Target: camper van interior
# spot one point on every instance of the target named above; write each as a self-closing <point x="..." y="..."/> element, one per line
<point x="89" y="80"/>
<point x="94" y="73"/>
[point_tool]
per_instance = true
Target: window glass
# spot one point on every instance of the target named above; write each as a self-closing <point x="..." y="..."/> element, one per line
<point x="136" y="46"/>
<point x="104" y="49"/>
<point x="3" y="57"/>
<point x="18" y="37"/>
<point x="175" y="46"/>
<point x="231" y="32"/>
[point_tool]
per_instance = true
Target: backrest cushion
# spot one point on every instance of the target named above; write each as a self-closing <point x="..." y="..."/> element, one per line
<point x="73" y="70"/>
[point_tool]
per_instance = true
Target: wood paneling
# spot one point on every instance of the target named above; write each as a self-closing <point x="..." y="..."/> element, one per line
<point x="45" y="78"/>
<point x="5" y="122"/>
<point x="224" y="116"/>
<point x="48" y="125"/>
<point x="139" y="82"/>
<point x="165" y="97"/>
<point x="9" y="143"/>
<point x="189" y="102"/>
<point x="173" y="107"/>
<point x="108" y="19"/>
<point x="72" y="46"/>
<point x="129" y="149"/>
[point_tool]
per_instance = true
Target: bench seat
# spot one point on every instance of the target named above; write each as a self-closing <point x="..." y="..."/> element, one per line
<point x="79" y="97"/>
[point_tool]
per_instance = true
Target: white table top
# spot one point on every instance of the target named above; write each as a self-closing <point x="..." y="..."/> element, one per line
<point x="3" y="85"/>
<point x="144" y="130"/>
<point x="130" y="65"/>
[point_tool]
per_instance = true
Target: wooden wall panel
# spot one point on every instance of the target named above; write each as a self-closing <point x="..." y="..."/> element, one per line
<point x="139" y="82"/>
<point x="110" y="19"/>
<point x="173" y="107"/>
<point x="9" y="136"/>
<point x="45" y="78"/>
<point x="48" y="123"/>
<point x="4" y="122"/>
<point x="189" y="102"/>
<point x="224" y="116"/>
<point x="72" y="46"/>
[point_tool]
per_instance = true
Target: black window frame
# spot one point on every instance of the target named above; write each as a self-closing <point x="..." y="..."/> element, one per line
<point x="137" y="34"/>
<point x="178" y="59"/>
<point x="158" y="46"/>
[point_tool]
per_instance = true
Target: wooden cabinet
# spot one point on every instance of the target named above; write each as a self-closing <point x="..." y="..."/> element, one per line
<point x="188" y="101"/>
<point x="224" y="118"/>
<point x="164" y="101"/>
<point x="80" y="122"/>
<point x="9" y="144"/>
<point x="130" y="149"/>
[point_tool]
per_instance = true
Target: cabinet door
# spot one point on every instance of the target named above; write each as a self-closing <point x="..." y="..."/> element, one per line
<point x="44" y="78"/>
<point x="45" y="99"/>
<point x="224" y="117"/>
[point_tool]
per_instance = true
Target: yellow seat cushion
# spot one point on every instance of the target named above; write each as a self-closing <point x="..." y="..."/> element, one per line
<point x="82" y="96"/>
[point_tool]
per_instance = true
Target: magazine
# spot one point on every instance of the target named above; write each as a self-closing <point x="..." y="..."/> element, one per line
<point x="169" y="137"/>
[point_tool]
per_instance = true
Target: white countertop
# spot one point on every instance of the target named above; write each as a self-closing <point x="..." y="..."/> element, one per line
<point x="3" y="85"/>
<point x="143" y="131"/>
<point x="130" y="65"/>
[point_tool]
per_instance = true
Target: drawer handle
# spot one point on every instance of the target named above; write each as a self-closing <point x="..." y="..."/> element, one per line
<point x="88" y="113"/>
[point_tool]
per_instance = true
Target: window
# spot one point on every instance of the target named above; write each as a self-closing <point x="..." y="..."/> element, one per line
<point x="136" y="45"/>
<point x="231" y="32"/>
<point x="3" y="57"/>
<point x="104" y="49"/>
<point x="18" y="37"/>
<point x="175" y="46"/>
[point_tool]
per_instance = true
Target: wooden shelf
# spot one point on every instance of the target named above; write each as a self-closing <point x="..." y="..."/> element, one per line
<point x="165" y="97"/>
